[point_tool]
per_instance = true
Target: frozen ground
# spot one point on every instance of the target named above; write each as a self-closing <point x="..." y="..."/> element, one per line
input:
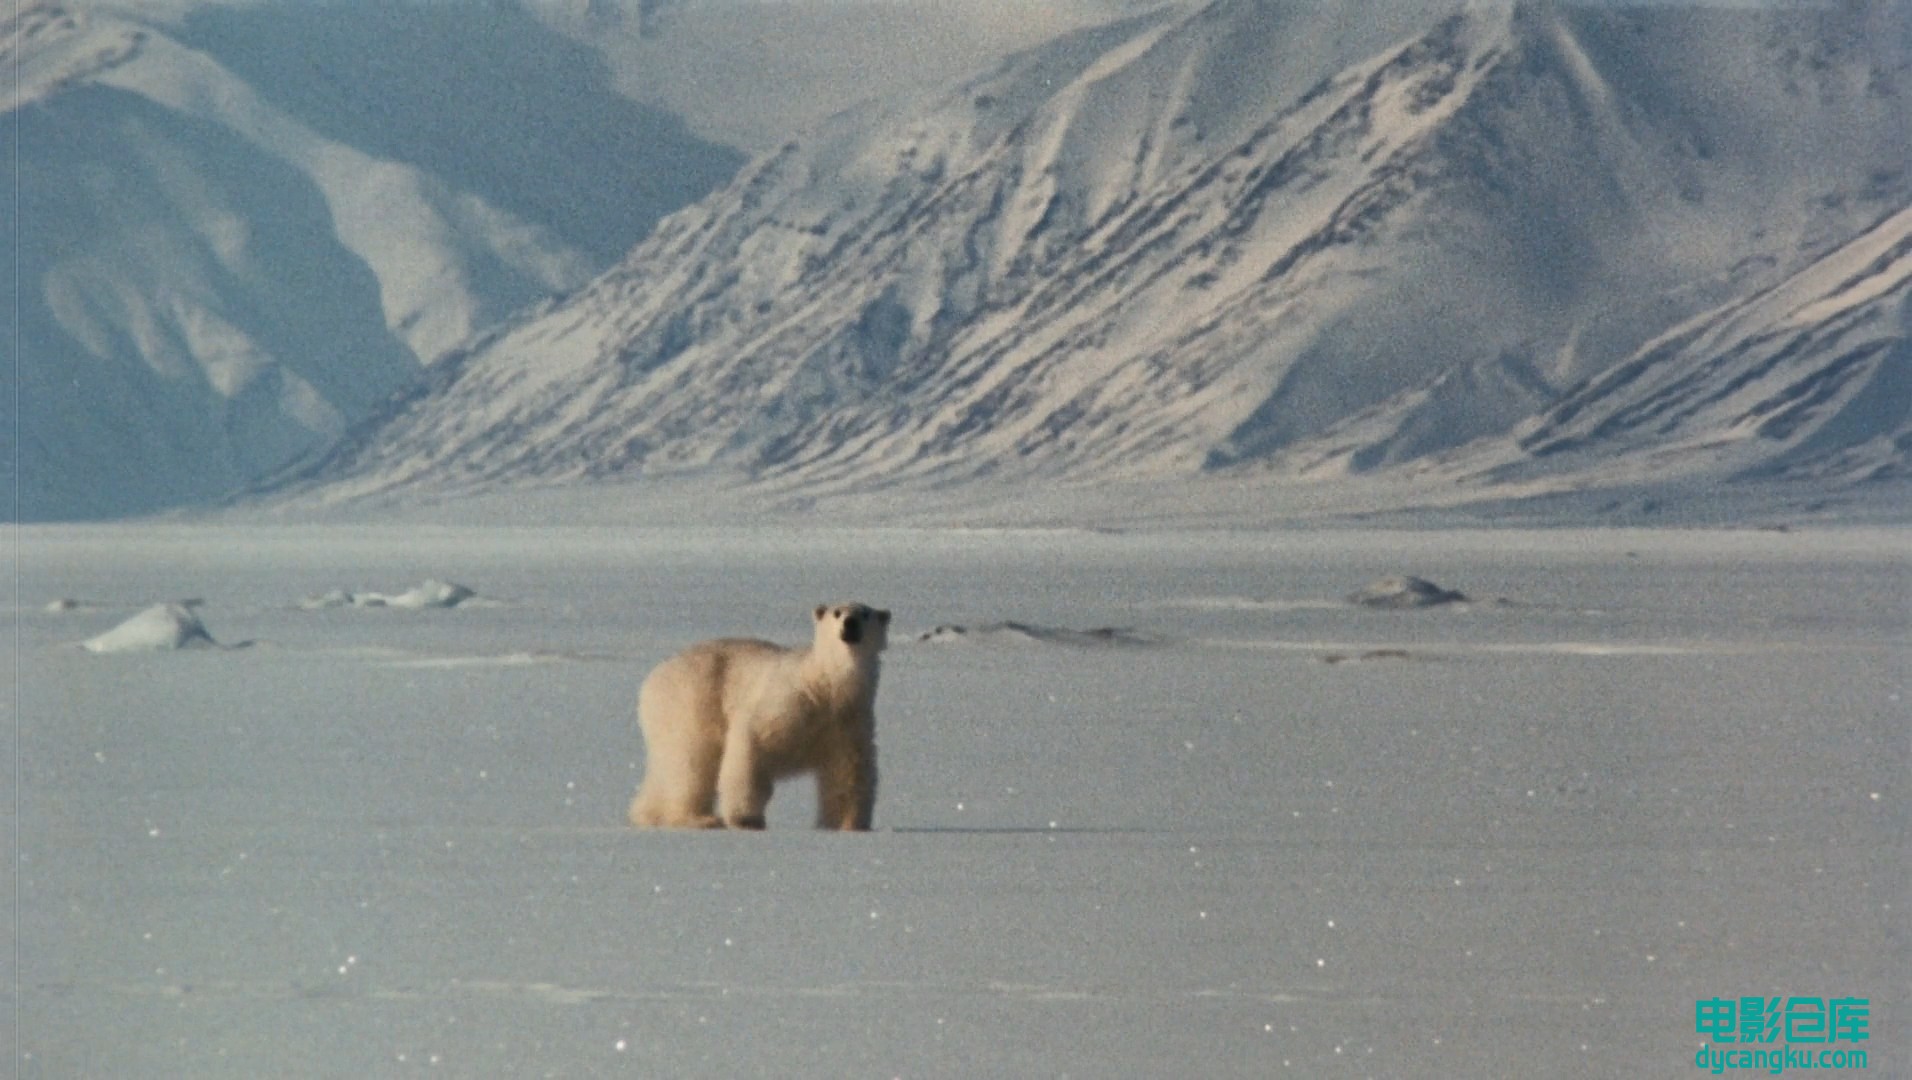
<point x="1268" y="833"/>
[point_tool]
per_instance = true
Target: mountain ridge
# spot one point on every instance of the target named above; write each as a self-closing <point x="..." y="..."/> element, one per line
<point x="1102" y="262"/>
<point x="223" y="271"/>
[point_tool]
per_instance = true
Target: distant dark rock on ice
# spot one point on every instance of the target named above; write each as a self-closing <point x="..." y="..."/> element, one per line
<point x="1366" y="656"/>
<point x="1404" y="591"/>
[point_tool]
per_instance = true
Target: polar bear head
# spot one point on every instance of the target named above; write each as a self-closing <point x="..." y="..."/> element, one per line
<point x="863" y="628"/>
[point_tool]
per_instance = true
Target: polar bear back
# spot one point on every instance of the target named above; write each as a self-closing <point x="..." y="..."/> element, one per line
<point x="767" y="686"/>
<point x="719" y="682"/>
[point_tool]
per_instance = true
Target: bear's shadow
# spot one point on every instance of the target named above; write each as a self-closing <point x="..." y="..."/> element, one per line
<point x="1022" y="830"/>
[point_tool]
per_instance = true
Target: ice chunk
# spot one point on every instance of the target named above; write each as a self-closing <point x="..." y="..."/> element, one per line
<point x="432" y="593"/>
<point x="158" y="628"/>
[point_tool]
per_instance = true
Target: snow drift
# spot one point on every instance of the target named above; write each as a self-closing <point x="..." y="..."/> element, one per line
<point x="1404" y="591"/>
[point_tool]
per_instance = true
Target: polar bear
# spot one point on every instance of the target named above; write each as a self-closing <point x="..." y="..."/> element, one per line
<point x="724" y="719"/>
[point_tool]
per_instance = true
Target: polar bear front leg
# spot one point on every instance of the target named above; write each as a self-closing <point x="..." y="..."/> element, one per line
<point x="846" y="791"/>
<point x="743" y="783"/>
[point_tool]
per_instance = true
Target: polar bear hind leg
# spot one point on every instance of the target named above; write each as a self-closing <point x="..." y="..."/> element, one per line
<point x="671" y="800"/>
<point x="680" y="758"/>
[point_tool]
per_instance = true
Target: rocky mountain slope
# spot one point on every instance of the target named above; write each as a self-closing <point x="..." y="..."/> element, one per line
<point x="242" y="223"/>
<point x="238" y="227"/>
<point x="1809" y="379"/>
<point x="1489" y="244"/>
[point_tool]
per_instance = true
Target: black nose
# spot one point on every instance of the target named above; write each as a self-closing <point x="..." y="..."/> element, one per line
<point x="852" y="630"/>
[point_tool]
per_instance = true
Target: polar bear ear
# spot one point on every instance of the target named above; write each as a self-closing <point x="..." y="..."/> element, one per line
<point x="883" y="617"/>
<point x="820" y="612"/>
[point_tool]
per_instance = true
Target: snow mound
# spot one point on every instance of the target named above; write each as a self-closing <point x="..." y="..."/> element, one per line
<point x="160" y="628"/>
<point x="1404" y="591"/>
<point x="1021" y="633"/>
<point x="430" y="594"/>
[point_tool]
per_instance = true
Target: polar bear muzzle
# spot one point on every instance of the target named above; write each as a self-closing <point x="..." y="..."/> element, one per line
<point x="855" y="618"/>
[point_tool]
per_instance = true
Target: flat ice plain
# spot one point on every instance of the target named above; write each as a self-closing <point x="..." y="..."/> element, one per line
<point x="1266" y="834"/>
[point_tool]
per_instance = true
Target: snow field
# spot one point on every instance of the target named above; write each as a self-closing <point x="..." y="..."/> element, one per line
<point x="388" y="843"/>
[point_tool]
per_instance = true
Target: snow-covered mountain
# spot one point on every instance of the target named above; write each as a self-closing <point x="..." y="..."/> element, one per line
<point x="1809" y="379"/>
<point x="751" y="73"/>
<point x="243" y="223"/>
<point x="1275" y="241"/>
<point x="240" y="226"/>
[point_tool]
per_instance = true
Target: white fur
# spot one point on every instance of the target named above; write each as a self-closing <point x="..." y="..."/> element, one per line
<point x="723" y="720"/>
